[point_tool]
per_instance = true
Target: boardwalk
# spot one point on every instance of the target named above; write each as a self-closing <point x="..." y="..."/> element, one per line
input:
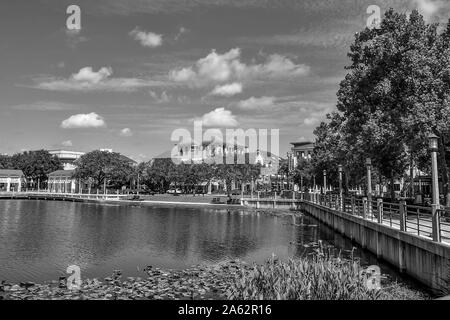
<point x="418" y="219"/>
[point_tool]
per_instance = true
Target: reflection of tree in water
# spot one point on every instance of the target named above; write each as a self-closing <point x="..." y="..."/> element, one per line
<point x="238" y="234"/>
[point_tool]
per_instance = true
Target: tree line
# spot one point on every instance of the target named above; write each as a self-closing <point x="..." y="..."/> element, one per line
<point x="100" y="168"/>
<point x="35" y="165"/>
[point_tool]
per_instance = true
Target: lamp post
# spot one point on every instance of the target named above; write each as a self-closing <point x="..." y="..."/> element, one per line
<point x="301" y="187"/>
<point x="340" y="187"/>
<point x="324" y="181"/>
<point x="433" y="146"/>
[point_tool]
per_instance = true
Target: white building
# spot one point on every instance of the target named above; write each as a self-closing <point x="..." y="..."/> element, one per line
<point x="67" y="157"/>
<point x="11" y="180"/>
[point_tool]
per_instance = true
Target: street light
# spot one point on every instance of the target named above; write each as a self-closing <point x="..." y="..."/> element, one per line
<point x="433" y="146"/>
<point x="324" y="181"/>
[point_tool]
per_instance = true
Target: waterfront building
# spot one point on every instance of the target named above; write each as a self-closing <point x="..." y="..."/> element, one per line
<point x="11" y="180"/>
<point x="61" y="181"/>
<point x="299" y="150"/>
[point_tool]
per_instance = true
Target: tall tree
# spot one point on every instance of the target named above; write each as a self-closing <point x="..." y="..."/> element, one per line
<point x="395" y="93"/>
<point x="100" y="165"/>
<point x="36" y="165"/>
<point x="5" y="162"/>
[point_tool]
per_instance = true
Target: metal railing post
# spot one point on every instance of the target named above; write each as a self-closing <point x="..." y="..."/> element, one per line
<point x="365" y="208"/>
<point x="403" y="213"/>
<point x="353" y="206"/>
<point x="436" y="222"/>
<point x="380" y="210"/>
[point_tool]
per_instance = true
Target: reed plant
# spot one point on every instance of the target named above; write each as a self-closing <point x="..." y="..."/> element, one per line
<point x="322" y="275"/>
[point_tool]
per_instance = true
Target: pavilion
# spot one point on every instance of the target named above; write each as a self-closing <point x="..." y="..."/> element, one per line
<point x="11" y="180"/>
<point x="61" y="181"/>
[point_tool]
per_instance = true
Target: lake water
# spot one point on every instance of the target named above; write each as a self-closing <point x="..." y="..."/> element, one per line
<point x="40" y="239"/>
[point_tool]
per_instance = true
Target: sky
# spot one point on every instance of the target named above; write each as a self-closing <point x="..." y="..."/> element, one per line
<point x="139" y="69"/>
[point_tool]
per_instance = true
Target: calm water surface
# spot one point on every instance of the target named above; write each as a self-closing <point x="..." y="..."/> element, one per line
<point x="39" y="239"/>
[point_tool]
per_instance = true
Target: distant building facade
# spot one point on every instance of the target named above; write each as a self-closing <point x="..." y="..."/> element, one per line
<point x="211" y="152"/>
<point x="67" y="158"/>
<point x="218" y="153"/>
<point x="299" y="150"/>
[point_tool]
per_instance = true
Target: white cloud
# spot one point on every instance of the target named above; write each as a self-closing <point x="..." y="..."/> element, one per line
<point x="256" y="103"/>
<point x="46" y="106"/>
<point x="224" y="67"/>
<point x="126" y="132"/>
<point x="147" y="39"/>
<point x="181" y="31"/>
<point x="88" y="75"/>
<point x="90" y="120"/>
<point x="163" y="98"/>
<point x="227" y="90"/>
<point x="67" y="143"/>
<point x="89" y="80"/>
<point x="311" y="121"/>
<point x="427" y="7"/>
<point x="219" y="117"/>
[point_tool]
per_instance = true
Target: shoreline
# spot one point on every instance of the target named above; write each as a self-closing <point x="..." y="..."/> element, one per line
<point x="184" y="201"/>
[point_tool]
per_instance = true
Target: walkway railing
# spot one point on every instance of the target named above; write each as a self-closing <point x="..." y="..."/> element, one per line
<point x="408" y="218"/>
<point x="66" y="195"/>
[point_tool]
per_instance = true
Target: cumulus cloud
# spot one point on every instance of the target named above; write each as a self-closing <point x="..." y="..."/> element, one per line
<point x="88" y="75"/>
<point x="256" y="103"/>
<point x="146" y="39"/>
<point x="89" y="80"/>
<point x="216" y="67"/>
<point x="227" y="90"/>
<point x="67" y="143"/>
<point x="90" y="120"/>
<point x="126" y="132"/>
<point x="219" y="117"/>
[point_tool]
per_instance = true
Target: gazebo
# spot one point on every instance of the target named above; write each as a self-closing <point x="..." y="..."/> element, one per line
<point x="61" y="181"/>
<point x="11" y="180"/>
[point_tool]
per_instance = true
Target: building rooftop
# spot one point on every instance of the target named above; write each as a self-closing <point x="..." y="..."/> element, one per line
<point x="61" y="173"/>
<point x="303" y="144"/>
<point x="10" y="173"/>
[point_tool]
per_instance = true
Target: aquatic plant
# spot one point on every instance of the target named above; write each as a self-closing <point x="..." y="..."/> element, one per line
<point x="321" y="276"/>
